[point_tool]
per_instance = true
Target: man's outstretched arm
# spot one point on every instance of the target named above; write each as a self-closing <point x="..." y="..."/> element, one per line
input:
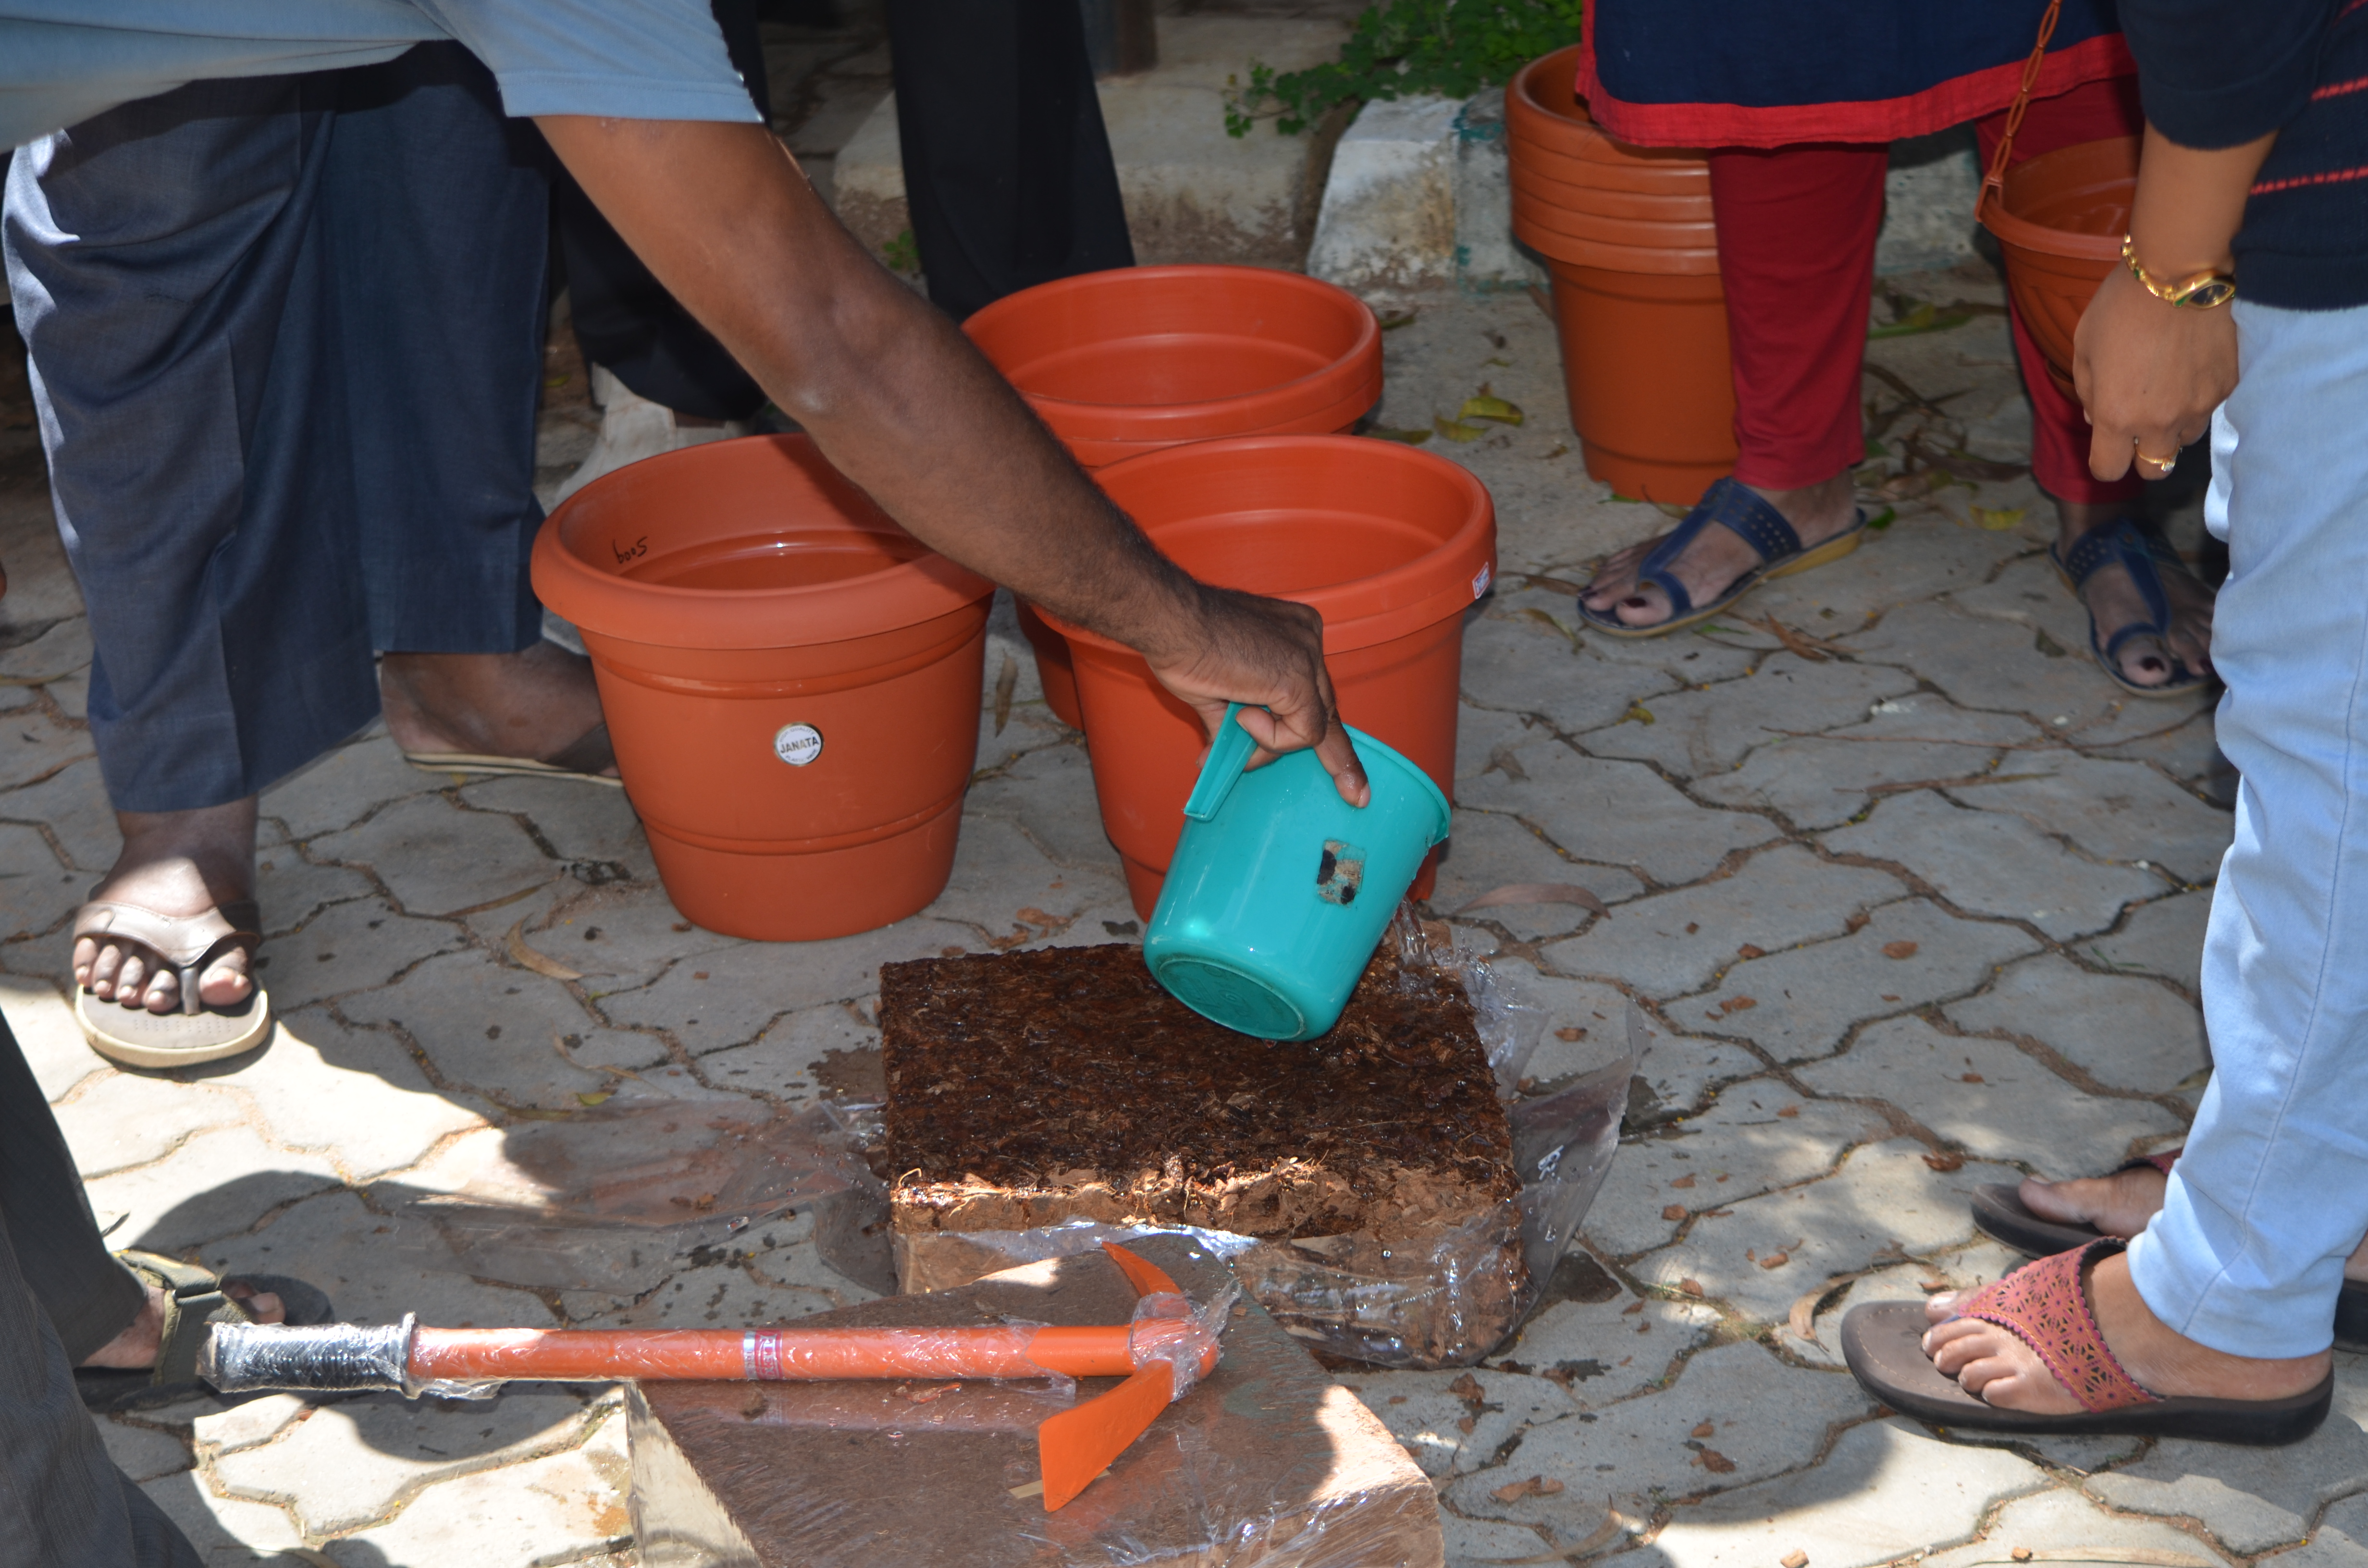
<point x="904" y="407"/>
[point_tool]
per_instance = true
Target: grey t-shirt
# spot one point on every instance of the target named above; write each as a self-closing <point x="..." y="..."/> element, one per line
<point x="63" y="61"/>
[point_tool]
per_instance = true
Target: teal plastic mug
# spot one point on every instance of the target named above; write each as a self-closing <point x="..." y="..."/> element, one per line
<point x="1280" y="890"/>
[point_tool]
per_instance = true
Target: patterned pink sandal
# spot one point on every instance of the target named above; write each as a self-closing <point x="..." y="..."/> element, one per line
<point x="2045" y="1305"/>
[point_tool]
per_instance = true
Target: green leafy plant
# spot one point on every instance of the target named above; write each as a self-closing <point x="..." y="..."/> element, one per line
<point x="1403" y="48"/>
<point x="902" y="254"/>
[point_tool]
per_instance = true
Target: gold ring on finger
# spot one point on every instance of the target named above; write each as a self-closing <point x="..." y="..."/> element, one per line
<point x="2164" y="464"/>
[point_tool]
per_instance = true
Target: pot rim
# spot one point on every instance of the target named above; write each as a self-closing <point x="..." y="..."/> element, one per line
<point x="2014" y="229"/>
<point x="1527" y="117"/>
<point x="1315" y="422"/>
<point x="1383" y="606"/>
<point x="1117" y="420"/>
<point x="890" y="599"/>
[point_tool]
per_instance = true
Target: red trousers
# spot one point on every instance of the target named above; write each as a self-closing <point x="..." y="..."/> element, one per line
<point x="1796" y="232"/>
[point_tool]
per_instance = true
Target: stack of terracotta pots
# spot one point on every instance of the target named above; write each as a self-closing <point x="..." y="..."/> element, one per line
<point x="1134" y="360"/>
<point x="1633" y="246"/>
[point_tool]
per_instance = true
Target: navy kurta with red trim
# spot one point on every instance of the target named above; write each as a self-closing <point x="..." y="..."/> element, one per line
<point x="1756" y="73"/>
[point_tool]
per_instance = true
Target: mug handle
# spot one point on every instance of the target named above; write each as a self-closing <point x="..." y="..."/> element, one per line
<point x="1228" y="755"/>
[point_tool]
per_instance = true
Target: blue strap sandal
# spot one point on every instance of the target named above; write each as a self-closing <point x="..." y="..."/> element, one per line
<point x="1738" y="509"/>
<point x="2143" y="555"/>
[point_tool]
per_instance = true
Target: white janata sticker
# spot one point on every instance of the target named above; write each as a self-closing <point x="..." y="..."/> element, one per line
<point x="797" y="745"/>
<point x="1480" y="578"/>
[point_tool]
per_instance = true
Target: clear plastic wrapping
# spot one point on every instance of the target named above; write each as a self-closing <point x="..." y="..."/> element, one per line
<point x="1448" y="1303"/>
<point x="1265" y="1461"/>
<point x="619" y="1197"/>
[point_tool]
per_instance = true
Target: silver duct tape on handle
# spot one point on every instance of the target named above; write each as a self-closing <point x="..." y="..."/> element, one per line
<point x="330" y="1357"/>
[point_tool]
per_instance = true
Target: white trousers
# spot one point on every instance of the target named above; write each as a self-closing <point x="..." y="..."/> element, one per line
<point x="2271" y="1195"/>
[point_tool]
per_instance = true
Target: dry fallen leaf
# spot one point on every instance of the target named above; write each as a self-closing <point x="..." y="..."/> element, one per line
<point x="1794" y="643"/>
<point x="1945" y="1162"/>
<point x="1794" y="1560"/>
<point x="1466" y="1424"/>
<point x="1750" y="950"/>
<point x="1538" y="892"/>
<point x="1511" y="1492"/>
<point x="1685" y="1180"/>
<point x="1707" y="1429"/>
<point x="1899" y="949"/>
<point x="1673" y="1212"/>
<point x="1715" y="1463"/>
<point x="1007" y="681"/>
<point x="1691" y="1287"/>
<point x="1776" y="1261"/>
<point x="1502" y="760"/>
<point x="1857" y="921"/>
<point x="1455" y="429"/>
<point x="1738" y="1003"/>
<point x="1570" y="1031"/>
<point x="1568" y="634"/>
<point x="1638" y="711"/>
<point x="1467" y="1389"/>
<point x="1488" y="405"/>
<point x="1971" y="1078"/>
<point x="1632" y="1308"/>
<point x="527" y="957"/>
<point x="598" y="1098"/>
<point x="1998" y="519"/>
<point x="2020" y="1555"/>
<point x="1788" y="1112"/>
<point x="924" y="1396"/>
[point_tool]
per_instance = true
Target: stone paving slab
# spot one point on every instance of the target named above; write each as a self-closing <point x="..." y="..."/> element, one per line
<point x="1755" y="1137"/>
<point x="1735" y="1415"/>
<point x="1884" y="1201"/>
<point x="1617" y="812"/>
<point x="2124" y="1032"/>
<point x="1990" y="1100"/>
<point x="1711" y="730"/>
<point x="1676" y="942"/>
<point x="1886" y="1490"/>
<point x="2252" y="1499"/>
<point x="1803" y="1002"/>
<point x="1991" y="863"/>
<point x="2163" y="937"/>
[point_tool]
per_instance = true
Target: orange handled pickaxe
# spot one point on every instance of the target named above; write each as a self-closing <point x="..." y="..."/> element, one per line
<point x="1166" y="1349"/>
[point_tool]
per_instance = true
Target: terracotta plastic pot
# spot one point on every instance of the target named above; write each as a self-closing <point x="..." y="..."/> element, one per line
<point x="1133" y="360"/>
<point x="1632" y="243"/>
<point x="790" y="681"/>
<point x="2060" y="224"/>
<point x="1652" y="395"/>
<point x="1391" y="543"/>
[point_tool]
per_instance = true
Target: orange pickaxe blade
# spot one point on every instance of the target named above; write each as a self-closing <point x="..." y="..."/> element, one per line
<point x="1147" y="1278"/>
<point x="1077" y="1444"/>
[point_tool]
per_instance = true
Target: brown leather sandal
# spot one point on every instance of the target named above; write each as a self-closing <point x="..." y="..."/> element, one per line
<point x="199" y="1032"/>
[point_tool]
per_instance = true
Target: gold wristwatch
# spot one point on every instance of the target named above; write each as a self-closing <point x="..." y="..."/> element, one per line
<point x="2201" y="292"/>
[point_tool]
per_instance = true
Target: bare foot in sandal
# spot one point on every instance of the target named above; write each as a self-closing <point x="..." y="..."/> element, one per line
<point x="533" y="705"/>
<point x="2114" y="603"/>
<point x="173" y="863"/>
<point x="2121" y="1204"/>
<point x="135" y="1348"/>
<point x="1718" y="556"/>
<point x="2002" y="1369"/>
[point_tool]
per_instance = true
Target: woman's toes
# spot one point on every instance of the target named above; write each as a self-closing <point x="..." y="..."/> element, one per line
<point x="1943" y="1307"/>
<point x="129" y="977"/>
<point x="164" y="993"/>
<point x="261" y="1305"/>
<point x="2144" y="663"/>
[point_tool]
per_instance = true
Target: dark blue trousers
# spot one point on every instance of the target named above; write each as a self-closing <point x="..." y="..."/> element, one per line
<point x="286" y="338"/>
